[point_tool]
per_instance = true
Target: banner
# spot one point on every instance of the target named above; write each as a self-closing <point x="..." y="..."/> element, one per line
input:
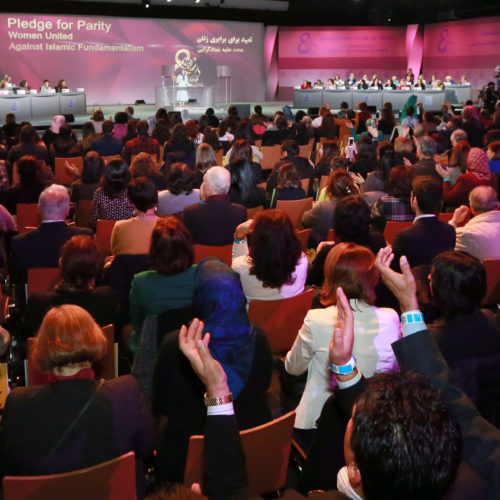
<point x="119" y="60"/>
<point x="470" y="48"/>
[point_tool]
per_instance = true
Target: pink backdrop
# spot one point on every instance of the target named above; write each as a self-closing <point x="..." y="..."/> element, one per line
<point x="458" y="48"/>
<point x="320" y="52"/>
<point x="27" y="48"/>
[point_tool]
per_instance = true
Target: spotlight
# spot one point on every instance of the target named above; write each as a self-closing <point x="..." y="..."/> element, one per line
<point x="197" y="1"/>
<point x="146" y="3"/>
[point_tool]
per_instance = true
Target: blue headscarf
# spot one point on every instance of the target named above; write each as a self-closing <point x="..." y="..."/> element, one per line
<point x="219" y="302"/>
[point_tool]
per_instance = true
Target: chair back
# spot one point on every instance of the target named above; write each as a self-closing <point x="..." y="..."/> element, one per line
<point x="43" y="279"/>
<point x="267" y="451"/>
<point x="305" y="184"/>
<point x="82" y="214"/>
<point x="62" y="176"/>
<point x="224" y="253"/>
<point x="295" y="209"/>
<point x="252" y="212"/>
<point x="281" y="319"/>
<point x="332" y="236"/>
<point x="103" y="231"/>
<point x="111" y="480"/>
<point x="305" y="151"/>
<point x="272" y="154"/>
<point x="28" y="216"/>
<point x="303" y="236"/>
<point x="392" y="228"/>
<point x="492" y="296"/>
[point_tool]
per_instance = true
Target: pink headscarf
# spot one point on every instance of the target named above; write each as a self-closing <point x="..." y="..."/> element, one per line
<point x="57" y="122"/>
<point x="478" y="164"/>
<point x="471" y="113"/>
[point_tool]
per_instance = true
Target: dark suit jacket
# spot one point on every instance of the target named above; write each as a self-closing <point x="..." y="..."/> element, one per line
<point x="424" y="240"/>
<point x="481" y="440"/>
<point x="214" y="222"/>
<point x="426" y="167"/>
<point x="35" y="418"/>
<point x="107" y="145"/>
<point x="41" y="247"/>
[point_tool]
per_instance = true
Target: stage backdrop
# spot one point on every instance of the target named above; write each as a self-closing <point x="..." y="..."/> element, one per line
<point x="119" y="60"/>
<point x="309" y="53"/>
<point x="470" y="48"/>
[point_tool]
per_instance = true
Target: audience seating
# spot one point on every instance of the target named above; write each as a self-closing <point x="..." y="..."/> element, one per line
<point x="106" y="368"/>
<point x="392" y="228"/>
<point x="111" y="480"/>
<point x="103" y="231"/>
<point x="252" y="212"/>
<point x="82" y="213"/>
<point x="332" y="236"/>
<point x="305" y="184"/>
<point x="43" y="279"/>
<point x="303" y="236"/>
<point x="28" y="216"/>
<point x="267" y="451"/>
<point x="492" y="295"/>
<point x="281" y="319"/>
<point x="272" y="154"/>
<point x="305" y="151"/>
<point x="224" y="253"/>
<point x="295" y="209"/>
<point x="62" y="175"/>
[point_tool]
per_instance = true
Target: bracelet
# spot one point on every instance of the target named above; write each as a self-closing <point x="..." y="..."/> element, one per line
<point x="240" y="242"/>
<point x="344" y="369"/>
<point x="222" y="400"/>
<point x="412" y="317"/>
<point x="447" y="179"/>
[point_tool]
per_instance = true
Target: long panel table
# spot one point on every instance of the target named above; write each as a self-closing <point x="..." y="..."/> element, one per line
<point x="40" y="106"/>
<point x="432" y="100"/>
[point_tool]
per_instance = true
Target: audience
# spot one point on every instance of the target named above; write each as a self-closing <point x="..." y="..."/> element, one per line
<point x="168" y="282"/>
<point x="242" y="349"/>
<point x="479" y="237"/>
<point x="81" y="267"/>
<point x="271" y="264"/>
<point x="243" y="189"/>
<point x="214" y="220"/>
<point x="477" y="174"/>
<point x="132" y="236"/>
<point x="29" y="145"/>
<point x="141" y="144"/>
<point x="145" y="165"/>
<point x="179" y="192"/>
<point x="111" y="201"/>
<point x="351" y="267"/>
<point x="289" y="185"/>
<point x="114" y="420"/>
<point x="107" y="144"/>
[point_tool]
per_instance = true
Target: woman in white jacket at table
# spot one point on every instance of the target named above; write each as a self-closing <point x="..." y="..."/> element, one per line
<point x="351" y="267"/>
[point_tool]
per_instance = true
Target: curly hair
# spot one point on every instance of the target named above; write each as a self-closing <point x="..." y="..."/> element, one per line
<point x="273" y="248"/>
<point x="399" y="183"/>
<point x="351" y="219"/>
<point x="180" y="179"/>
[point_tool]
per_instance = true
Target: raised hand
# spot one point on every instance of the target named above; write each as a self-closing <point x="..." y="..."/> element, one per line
<point x="403" y="286"/>
<point x="343" y="335"/>
<point x="194" y="345"/>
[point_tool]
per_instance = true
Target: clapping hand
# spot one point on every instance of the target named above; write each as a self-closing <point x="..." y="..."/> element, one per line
<point x="194" y="345"/>
<point x="342" y="339"/>
<point x="460" y="214"/>
<point x="444" y="172"/>
<point x="70" y="168"/>
<point x="403" y="286"/>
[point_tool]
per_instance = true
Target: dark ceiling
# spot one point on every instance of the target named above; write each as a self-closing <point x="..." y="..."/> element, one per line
<point x="300" y="12"/>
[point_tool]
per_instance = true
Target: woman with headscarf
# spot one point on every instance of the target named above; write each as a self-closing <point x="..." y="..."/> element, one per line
<point x="50" y="135"/>
<point x="240" y="348"/>
<point x="477" y="174"/>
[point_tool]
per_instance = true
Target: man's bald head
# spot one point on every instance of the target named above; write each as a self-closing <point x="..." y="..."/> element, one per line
<point x="483" y="199"/>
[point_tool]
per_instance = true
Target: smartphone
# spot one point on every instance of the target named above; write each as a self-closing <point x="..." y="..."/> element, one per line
<point x="351" y="141"/>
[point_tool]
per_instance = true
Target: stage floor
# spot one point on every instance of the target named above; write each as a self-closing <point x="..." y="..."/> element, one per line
<point x="144" y="111"/>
